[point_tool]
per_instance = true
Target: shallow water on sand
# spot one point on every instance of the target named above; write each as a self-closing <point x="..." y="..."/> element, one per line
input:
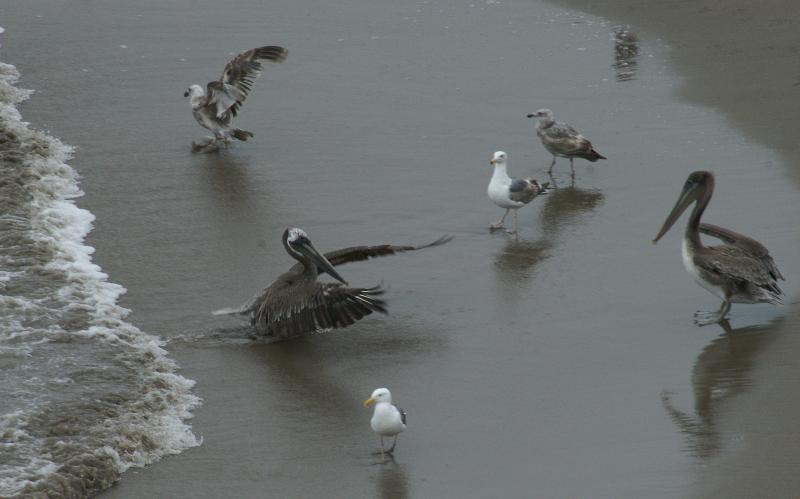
<point x="561" y="364"/>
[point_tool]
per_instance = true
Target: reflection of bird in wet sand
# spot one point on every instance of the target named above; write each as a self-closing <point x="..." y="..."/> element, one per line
<point x="296" y="303"/>
<point x="721" y="372"/>
<point x="510" y="193"/>
<point x="564" y="206"/>
<point x="626" y="49"/>
<point x="215" y="106"/>
<point x="740" y="271"/>
<point x="388" y="420"/>
<point x="562" y="140"/>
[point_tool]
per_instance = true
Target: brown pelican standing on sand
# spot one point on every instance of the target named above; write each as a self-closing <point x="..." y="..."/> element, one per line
<point x="215" y="106"/>
<point x="562" y="140"/>
<point x="296" y="303"/>
<point x="740" y="271"/>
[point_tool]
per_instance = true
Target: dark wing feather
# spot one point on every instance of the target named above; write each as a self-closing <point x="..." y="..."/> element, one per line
<point x="289" y="311"/>
<point x="402" y="414"/>
<point x="563" y="139"/>
<point x="731" y="263"/>
<point x="523" y="190"/>
<point x="748" y="245"/>
<point x="361" y="253"/>
<point x="229" y="92"/>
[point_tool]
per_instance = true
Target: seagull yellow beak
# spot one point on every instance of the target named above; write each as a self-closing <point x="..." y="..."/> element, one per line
<point x="492" y="161"/>
<point x="369" y="402"/>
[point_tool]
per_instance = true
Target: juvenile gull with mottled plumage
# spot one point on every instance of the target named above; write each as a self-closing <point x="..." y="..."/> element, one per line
<point x="215" y="106"/>
<point x="562" y="140"/>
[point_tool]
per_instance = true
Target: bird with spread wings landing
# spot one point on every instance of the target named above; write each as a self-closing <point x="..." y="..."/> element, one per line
<point x="297" y="303"/>
<point x="215" y="106"/>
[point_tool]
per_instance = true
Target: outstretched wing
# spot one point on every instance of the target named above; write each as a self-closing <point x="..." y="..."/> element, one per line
<point x="360" y="253"/>
<point x="747" y="245"/>
<point x="227" y="94"/>
<point x="322" y="306"/>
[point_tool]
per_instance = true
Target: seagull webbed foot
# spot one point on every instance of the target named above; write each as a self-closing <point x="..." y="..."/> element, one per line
<point x="496" y="225"/>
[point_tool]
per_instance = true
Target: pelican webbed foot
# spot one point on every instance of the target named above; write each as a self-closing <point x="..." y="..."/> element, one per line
<point x="704" y="318"/>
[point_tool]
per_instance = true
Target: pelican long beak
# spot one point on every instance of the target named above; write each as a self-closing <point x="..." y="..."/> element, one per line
<point x="369" y="402"/>
<point x="686" y="198"/>
<point x="310" y="251"/>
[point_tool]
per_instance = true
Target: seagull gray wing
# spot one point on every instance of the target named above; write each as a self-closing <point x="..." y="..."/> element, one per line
<point x="361" y="253"/>
<point x="523" y="190"/>
<point x="286" y="312"/>
<point x="227" y="94"/>
<point x="731" y="263"/>
<point x="747" y="245"/>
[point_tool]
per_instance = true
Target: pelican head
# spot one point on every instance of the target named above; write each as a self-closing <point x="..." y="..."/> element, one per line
<point x="543" y="115"/>
<point x="299" y="246"/>
<point x="698" y="184"/>
<point x="499" y="158"/>
<point x="194" y="91"/>
<point x="378" y="396"/>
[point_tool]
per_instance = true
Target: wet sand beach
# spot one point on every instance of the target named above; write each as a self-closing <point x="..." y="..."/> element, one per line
<point x="564" y="363"/>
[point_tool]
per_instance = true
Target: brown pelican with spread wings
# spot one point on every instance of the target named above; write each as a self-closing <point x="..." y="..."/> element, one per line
<point x="215" y="106"/>
<point x="297" y="303"/>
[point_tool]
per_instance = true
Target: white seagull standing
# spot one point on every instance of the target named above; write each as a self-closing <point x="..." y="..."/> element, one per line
<point x="510" y="193"/>
<point x="388" y="420"/>
<point x="215" y="106"/>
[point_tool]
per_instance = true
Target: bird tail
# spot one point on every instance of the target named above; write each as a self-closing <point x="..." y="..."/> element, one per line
<point x="592" y="155"/>
<point x="272" y="53"/>
<point x="240" y="134"/>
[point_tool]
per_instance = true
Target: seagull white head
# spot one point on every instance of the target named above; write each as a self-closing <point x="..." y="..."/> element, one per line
<point x="378" y="396"/>
<point x="499" y="158"/>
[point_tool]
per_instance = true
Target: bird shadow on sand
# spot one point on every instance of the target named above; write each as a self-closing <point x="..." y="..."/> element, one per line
<point x="722" y="371"/>
<point x="391" y="481"/>
<point x="566" y="206"/>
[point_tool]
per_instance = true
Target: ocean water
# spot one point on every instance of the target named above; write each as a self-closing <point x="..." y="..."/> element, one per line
<point x="85" y="395"/>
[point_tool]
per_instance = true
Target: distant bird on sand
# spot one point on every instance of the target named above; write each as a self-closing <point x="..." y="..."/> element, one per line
<point x="297" y="303"/>
<point x="562" y="140"/>
<point x="510" y="193"/>
<point x="215" y="106"/>
<point x="388" y="420"/>
<point x="739" y="271"/>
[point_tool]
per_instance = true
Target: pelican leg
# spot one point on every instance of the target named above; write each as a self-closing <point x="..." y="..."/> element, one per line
<point x="499" y="224"/>
<point x="550" y="170"/>
<point x="705" y="318"/>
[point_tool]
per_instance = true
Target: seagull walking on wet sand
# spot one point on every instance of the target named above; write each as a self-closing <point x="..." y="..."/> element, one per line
<point x="388" y="420"/>
<point x="215" y="106"/>
<point x="510" y="193"/>
<point x="561" y="140"/>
